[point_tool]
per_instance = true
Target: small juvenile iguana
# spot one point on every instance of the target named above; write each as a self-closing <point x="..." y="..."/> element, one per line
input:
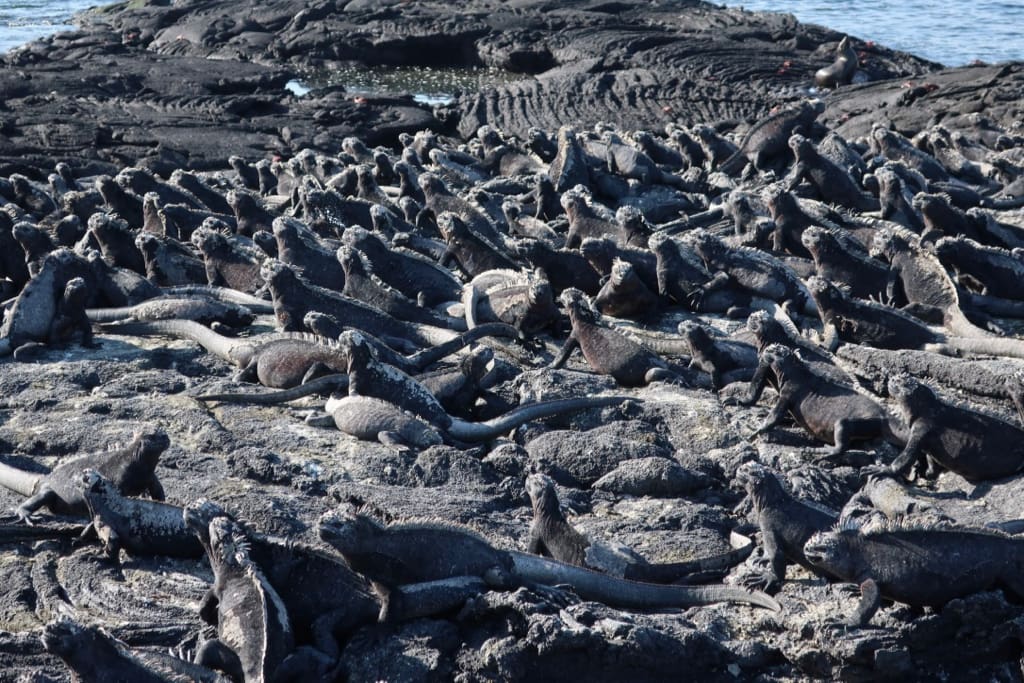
<point x="130" y="468"/>
<point x="402" y="554"/>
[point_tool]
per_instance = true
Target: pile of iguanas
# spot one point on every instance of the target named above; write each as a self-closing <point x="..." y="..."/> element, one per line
<point x="399" y="282"/>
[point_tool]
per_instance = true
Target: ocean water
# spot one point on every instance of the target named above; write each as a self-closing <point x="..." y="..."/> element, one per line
<point x="25" y="20"/>
<point x="954" y="32"/>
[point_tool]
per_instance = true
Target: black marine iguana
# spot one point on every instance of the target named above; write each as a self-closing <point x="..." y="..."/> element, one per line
<point x="279" y="360"/>
<point x="785" y="522"/>
<point x="375" y="419"/>
<point x="130" y="468"/>
<point x="975" y="445"/>
<point x="552" y="535"/>
<point x="254" y="639"/>
<point x="726" y="360"/>
<point x="920" y="565"/>
<point x="608" y="351"/>
<point x="140" y="526"/>
<point x="831" y="411"/>
<point x="521" y="299"/>
<point x="769" y="137"/>
<point x="92" y="654"/>
<point x="865" y="322"/>
<point x="402" y="554"/>
<point x="325" y="599"/>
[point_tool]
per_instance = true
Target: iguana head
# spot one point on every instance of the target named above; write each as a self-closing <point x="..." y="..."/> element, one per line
<point x="813" y="238"/>
<point x="904" y="388"/>
<point x="227" y="542"/>
<point x="431" y="184"/>
<point x="820" y="287"/>
<point x="94" y="486"/>
<point x="348" y="532"/>
<point x="883" y="244"/>
<point x="693" y="333"/>
<point x="620" y="271"/>
<point x="64" y="637"/>
<point x="777" y="354"/>
<point x="800" y="145"/>
<point x="537" y="485"/>
<point x="198" y="514"/>
<point x="285" y="229"/>
<point x="756" y="479"/>
<point x="451" y="225"/>
<point x="830" y="551"/>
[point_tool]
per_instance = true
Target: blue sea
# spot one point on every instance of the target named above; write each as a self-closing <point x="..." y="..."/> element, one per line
<point x="954" y="32"/>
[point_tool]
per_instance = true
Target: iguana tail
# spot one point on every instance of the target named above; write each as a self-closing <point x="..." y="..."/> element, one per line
<point x="327" y="383"/>
<point x="429" y="356"/>
<point x="668" y="572"/>
<point x="18" y="481"/>
<point x="992" y="346"/>
<point x="232" y="296"/>
<point x="482" y="431"/>
<point x="216" y="344"/>
<point x="610" y="590"/>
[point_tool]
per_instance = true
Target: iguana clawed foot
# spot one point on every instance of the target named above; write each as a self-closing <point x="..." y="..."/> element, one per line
<point x="763" y="581"/>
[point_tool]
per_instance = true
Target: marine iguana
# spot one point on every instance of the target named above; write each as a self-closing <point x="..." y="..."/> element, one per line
<point x="584" y="222"/>
<point x="624" y="295"/>
<point x="92" y="654"/>
<point x="922" y="281"/>
<point x="277" y="360"/>
<point x="116" y="242"/>
<point x="198" y="309"/>
<point x="602" y="253"/>
<point x="364" y="285"/>
<point x="373" y="419"/>
<point x="785" y="522"/>
<point x="753" y="270"/>
<point x="834" y="184"/>
<point x="608" y="351"/>
<point x="199" y="188"/>
<point x="131" y="468"/>
<point x="124" y="203"/>
<point x="402" y="554"/>
<point x="415" y="277"/>
<point x="229" y="263"/>
<point x="830" y="411"/>
<point x="564" y="268"/>
<point x="837" y="257"/>
<point x="472" y="252"/>
<point x="895" y="205"/>
<point x="725" y="360"/>
<point x="999" y="272"/>
<point x="920" y="565"/>
<point x="895" y="147"/>
<point x="326" y="601"/>
<point x="140" y="526"/>
<point x="168" y="261"/>
<point x="314" y="262"/>
<point x="975" y="445"/>
<point x="293" y="298"/>
<point x="865" y="322"/>
<point x="254" y="639"/>
<point x="682" y="277"/>
<point x="521" y="299"/>
<point x="769" y="137"/>
<point x="552" y="535"/>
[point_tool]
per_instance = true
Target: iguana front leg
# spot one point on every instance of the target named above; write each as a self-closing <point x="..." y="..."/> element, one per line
<point x="777" y="413"/>
<point x="770" y="579"/>
<point x="45" y="497"/>
<point x="918" y="431"/>
<point x="870" y="600"/>
<point x="570" y="344"/>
